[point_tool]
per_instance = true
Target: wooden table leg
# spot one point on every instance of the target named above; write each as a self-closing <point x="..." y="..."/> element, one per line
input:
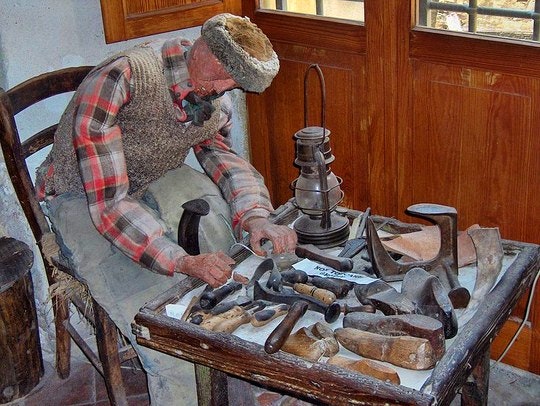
<point x="475" y="390"/>
<point x="212" y="387"/>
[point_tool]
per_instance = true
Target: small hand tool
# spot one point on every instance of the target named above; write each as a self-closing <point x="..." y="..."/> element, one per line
<point x="198" y="315"/>
<point x="287" y="295"/>
<point x="194" y="305"/>
<point x="222" y="307"/>
<point x="265" y="266"/>
<point x="339" y="287"/>
<point x="275" y="282"/>
<point x="229" y="320"/>
<point x="212" y="298"/>
<point x="269" y="313"/>
<point x="357" y="242"/>
<point x="314" y="253"/>
<point x="279" y="335"/>
<point x="368" y="308"/>
<point x="323" y="295"/>
<point x="191" y="308"/>
<point x="294" y="276"/>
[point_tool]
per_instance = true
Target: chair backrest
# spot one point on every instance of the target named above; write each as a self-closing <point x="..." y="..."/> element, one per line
<point x="16" y="152"/>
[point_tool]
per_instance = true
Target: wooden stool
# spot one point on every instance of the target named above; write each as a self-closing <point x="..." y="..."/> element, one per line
<point x="22" y="363"/>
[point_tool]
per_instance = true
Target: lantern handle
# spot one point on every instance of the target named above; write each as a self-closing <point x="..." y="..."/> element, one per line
<point x="323" y="97"/>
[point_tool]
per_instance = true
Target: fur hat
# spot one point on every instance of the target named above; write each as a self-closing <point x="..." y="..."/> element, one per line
<point x="243" y="49"/>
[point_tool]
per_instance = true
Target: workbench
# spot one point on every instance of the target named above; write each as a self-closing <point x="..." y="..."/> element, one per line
<point x="464" y="366"/>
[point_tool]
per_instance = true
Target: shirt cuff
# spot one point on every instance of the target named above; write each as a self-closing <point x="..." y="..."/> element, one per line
<point x="162" y="256"/>
<point x="257" y="212"/>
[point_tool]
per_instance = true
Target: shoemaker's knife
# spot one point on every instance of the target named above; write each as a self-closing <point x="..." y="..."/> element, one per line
<point x="356" y="242"/>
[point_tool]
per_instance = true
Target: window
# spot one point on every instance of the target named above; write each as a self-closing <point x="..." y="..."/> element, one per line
<point x="127" y="19"/>
<point x="517" y="19"/>
<point x="343" y="9"/>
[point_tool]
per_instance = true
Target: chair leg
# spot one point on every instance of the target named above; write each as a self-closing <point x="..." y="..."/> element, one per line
<point x="107" y="343"/>
<point x="63" y="339"/>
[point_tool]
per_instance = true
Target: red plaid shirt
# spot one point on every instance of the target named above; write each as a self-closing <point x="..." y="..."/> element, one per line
<point x="98" y="142"/>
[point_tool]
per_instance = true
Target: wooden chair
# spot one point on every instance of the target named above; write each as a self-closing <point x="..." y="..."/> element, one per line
<point x="111" y="350"/>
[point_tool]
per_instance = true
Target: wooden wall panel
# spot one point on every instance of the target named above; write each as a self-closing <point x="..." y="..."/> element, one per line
<point x="472" y="147"/>
<point x="277" y="114"/>
<point x="519" y="356"/>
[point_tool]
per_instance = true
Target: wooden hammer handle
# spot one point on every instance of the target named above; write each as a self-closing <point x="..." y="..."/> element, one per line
<point x="310" y="251"/>
<point x="277" y="338"/>
<point x="229" y="325"/>
<point x="228" y="321"/>
<point x="323" y="295"/>
<point x="265" y="316"/>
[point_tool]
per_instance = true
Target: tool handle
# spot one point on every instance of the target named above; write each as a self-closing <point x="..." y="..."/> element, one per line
<point x="222" y="307"/>
<point x="310" y="251"/>
<point x="367" y="308"/>
<point x="265" y="316"/>
<point x="339" y="287"/>
<point x="294" y="276"/>
<point x="323" y="295"/>
<point x="279" y="335"/>
<point x="210" y="299"/>
<point x="213" y="322"/>
<point x="459" y="295"/>
<point x="229" y="325"/>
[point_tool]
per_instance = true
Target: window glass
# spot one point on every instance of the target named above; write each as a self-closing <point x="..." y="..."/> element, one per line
<point x="518" y="19"/>
<point x="344" y="9"/>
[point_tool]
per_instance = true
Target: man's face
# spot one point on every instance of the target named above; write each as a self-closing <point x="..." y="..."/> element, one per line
<point x="208" y="76"/>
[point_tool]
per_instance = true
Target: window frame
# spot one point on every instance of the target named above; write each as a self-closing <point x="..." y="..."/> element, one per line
<point x="473" y="10"/>
<point x="119" y="24"/>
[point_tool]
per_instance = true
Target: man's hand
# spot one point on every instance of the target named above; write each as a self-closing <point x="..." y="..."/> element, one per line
<point x="282" y="237"/>
<point x="214" y="268"/>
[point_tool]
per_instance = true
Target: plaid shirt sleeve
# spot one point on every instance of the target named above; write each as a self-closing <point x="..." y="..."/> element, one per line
<point x="240" y="183"/>
<point x="97" y="139"/>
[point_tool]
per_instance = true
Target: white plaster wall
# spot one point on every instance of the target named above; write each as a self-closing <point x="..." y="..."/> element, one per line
<point x="38" y="36"/>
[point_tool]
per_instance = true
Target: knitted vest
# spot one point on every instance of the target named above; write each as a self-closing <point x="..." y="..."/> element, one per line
<point x="154" y="142"/>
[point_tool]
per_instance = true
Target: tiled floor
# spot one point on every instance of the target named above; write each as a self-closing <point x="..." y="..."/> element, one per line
<point x="508" y="387"/>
